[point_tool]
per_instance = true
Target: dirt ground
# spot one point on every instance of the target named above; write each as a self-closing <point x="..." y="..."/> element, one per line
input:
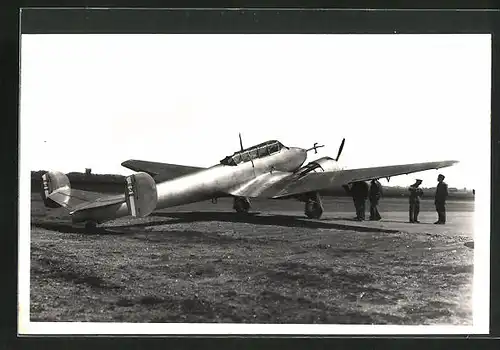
<point x="204" y="263"/>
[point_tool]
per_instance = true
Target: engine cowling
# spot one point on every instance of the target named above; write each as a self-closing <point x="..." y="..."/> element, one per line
<point x="320" y="165"/>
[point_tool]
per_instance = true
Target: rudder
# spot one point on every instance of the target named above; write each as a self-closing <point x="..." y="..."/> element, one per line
<point x="53" y="181"/>
<point x="140" y="194"/>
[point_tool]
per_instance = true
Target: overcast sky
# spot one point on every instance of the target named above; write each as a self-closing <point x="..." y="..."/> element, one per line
<point x="97" y="100"/>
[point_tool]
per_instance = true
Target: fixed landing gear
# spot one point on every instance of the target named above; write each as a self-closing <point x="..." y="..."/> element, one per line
<point x="241" y="204"/>
<point x="313" y="206"/>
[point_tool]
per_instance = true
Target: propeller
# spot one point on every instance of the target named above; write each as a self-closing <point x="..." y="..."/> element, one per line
<point x="340" y="150"/>
<point x="241" y="145"/>
<point x="315" y="147"/>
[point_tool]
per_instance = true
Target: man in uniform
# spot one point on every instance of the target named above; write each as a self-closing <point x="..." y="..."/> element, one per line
<point x="440" y="199"/>
<point x="375" y="194"/>
<point x="359" y="192"/>
<point x="415" y="194"/>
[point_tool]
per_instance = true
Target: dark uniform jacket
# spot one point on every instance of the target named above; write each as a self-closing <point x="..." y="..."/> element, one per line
<point x="359" y="190"/>
<point x="441" y="192"/>
<point x="415" y="193"/>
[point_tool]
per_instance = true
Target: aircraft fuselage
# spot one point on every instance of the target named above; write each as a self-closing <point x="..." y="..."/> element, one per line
<point x="207" y="183"/>
<point x="210" y="183"/>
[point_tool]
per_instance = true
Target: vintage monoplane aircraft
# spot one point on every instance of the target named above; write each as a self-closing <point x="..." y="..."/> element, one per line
<point x="267" y="170"/>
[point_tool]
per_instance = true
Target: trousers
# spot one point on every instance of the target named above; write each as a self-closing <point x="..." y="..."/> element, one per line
<point x="414" y="211"/>
<point x="441" y="210"/>
<point x="359" y="204"/>
<point x="374" y="214"/>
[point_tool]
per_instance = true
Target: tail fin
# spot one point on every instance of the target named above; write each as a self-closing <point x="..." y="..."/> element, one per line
<point x="54" y="182"/>
<point x="141" y="194"/>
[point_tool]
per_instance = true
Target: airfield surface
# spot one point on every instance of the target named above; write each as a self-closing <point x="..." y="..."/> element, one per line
<point x="205" y="263"/>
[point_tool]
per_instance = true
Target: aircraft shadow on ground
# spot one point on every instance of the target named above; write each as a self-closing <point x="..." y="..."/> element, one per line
<point x="190" y="217"/>
<point x="256" y="219"/>
<point x="100" y="230"/>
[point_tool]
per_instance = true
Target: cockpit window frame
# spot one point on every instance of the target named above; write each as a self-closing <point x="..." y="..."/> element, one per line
<point x="249" y="154"/>
<point x="274" y="148"/>
<point x="263" y="151"/>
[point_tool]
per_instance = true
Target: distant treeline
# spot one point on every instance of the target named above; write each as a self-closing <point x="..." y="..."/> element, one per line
<point x="110" y="183"/>
<point x="107" y="183"/>
<point x="398" y="191"/>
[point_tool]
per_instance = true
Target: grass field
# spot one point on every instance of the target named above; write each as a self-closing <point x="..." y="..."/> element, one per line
<point x="203" y="263"/>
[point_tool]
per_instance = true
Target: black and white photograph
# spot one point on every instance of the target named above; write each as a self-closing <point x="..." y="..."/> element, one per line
<point x="254" y="184"/>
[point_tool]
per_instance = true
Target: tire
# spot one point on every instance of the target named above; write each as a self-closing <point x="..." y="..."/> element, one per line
<point x="241" y="205"/>
<point x="313" y="210"/>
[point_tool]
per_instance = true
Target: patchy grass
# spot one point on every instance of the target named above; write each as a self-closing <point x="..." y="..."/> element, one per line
<point x="166" y="269"/>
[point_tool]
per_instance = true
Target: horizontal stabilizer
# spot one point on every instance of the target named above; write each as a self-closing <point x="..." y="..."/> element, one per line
<point x="99" y="202"/>
<point x="57" y="192"/>
<point x="141" y="194"/>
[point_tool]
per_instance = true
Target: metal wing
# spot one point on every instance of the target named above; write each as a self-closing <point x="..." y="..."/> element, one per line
<point x="281" y="184"/>
<point x="160" y="171"/>
<point x="320" y="181"/>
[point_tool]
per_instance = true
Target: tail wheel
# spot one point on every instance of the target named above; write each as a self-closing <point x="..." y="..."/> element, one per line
<point x="241" y="204"/>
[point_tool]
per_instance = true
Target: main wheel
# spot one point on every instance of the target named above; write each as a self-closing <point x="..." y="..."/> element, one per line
<point x="241" y="204"/>
<point x="313" y="209"/>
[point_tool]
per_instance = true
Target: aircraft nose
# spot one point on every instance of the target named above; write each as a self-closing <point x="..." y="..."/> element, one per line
<point x="300" y="155"/>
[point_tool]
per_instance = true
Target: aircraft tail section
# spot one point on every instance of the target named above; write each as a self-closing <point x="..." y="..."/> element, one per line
<point x="57" y="192"/>
<point x="140" y="198"/>
<point x="140" y="194"/>
<point x="53" y="184"/>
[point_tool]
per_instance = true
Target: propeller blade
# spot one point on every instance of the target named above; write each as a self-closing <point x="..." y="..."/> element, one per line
<point x="241" y="145"/>
<point x="340" y="149"/>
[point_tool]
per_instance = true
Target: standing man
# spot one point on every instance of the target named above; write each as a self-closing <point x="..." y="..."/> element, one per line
<point x="359" y="191"/>
<point x="415" y="194"/>
<point x="440" y="200"/>
<point x="375" y="194"/>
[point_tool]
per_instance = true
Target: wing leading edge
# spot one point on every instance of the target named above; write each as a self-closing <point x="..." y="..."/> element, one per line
<point x="160" y="171"/>
<point x="279" y="185"/>
<point x="321" y="181"/>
